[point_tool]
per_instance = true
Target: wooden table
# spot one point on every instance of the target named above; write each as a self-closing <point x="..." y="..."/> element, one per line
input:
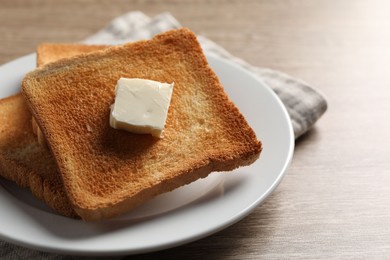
<point x="334" y="201"/>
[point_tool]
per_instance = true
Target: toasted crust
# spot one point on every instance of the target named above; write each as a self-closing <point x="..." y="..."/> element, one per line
<point x="22" y="159"/>
<point x="106" y="171"/>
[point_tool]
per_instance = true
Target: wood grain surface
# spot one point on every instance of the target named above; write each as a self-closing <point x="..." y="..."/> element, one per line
<point x="334" y="201"/>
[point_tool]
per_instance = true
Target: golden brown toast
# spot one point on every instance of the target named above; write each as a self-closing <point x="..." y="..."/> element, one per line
<point x="106" y="171"/>
<point x="22" y="158"/>
<point x="26" y="162"/>
<point x="49" y="52"/>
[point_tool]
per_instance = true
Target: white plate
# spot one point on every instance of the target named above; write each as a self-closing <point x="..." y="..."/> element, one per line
<point x="184" y="215"/>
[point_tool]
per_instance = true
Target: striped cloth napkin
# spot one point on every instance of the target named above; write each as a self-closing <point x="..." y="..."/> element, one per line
<point x="304" y="104"/>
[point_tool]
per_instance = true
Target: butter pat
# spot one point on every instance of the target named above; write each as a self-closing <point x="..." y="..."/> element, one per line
<point x="141" y="106"/>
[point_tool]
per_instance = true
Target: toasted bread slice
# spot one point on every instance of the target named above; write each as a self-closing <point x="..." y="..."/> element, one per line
<point x="106" y="171"/>
<point x="26" y="162"/>
<point x="50" y="52"/>
<point x="22" y="159"/>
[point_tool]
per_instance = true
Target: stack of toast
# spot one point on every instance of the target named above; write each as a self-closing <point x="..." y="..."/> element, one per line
<point x="82" y="167"/>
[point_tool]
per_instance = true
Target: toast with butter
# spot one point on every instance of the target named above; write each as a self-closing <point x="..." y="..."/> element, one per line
<point x="22" y="159"/>
<point x="106" y="171"/>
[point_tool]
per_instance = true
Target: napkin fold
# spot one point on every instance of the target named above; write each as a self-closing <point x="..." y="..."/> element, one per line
<point x="304" y="104"/>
